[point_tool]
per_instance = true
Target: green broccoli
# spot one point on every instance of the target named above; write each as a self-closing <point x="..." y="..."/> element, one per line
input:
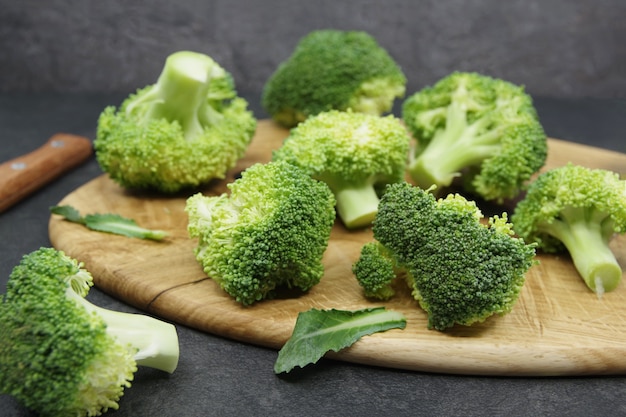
<point x="356" y="154"/>
<point x="269" y="233"/>
<point x="460" y="270"/>
<point x="576" y="209"/>
<point x="333" y="70"/>
<point x="482" y="129"/>
<point x="181" y="132"/>
<point x="61" y="355"/>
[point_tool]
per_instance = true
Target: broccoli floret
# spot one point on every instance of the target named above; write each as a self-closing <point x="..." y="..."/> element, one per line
<point x="482" y="129"/>
<point x="460" y="270"/>
<point x="333" y="69"/>
<point x="376" y="271"/>
<point x="181" y="132"/>
<point x="356" y="154"/>
<point x="577" y="209"/>
<point x="269" y="233"/>
<point x="60" y="355"/>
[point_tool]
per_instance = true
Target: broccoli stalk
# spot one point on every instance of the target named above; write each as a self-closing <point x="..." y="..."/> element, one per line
<point x="483" y="130"/>
<point x="180" y="93"/>
<point x="578" y="210"/>
<point x="153" y="341"/>
<point x="377" y="95"/>
<point x="356" y="204"/>
<point x="457" y="146"/>
<point x="586" y="233"/>
<point x="62" y="355"/>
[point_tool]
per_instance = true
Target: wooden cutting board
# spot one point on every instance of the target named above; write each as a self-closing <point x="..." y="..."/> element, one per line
<point x="558" y="327"/>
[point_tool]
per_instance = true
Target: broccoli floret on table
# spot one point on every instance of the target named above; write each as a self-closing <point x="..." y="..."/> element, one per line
<point x="61" y="355"/>
<point x="482" y="130"/>
<point x="333" y="70"/>
<point x="186" y="129"/>
<point x="459" y="269"/>
<point x="578" y="210"/>
<point x="269" y="233"/>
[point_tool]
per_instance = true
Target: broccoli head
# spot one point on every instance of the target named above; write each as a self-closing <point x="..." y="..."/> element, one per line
<point x="576" y="209"/>
<point x="484" y="130"/>
<point x="61" y="355"/>
<point x="461" y="270"/>
<point x="269" y="233"/>
<point x="333" y="69"/>
<point x="181" y="132"/>
<point x="356" y="154"/>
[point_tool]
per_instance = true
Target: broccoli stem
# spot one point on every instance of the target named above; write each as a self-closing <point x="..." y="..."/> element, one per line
<point x="584" y="235"/>
<point x="459" y="145"/>
<point x="376" y="96"/>
<point x="357" y="205"/>
<point x="155" y="341"/>
<point x="180" y="93"/>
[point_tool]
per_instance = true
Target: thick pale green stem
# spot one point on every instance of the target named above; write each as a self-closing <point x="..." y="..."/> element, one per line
<point x="591" y="254"/>
<point x="181" y="91"/>
<point x="357" y="206"/>
<point x="452" y="149"/>
<point x="156" y="341"/>
<point x="425" y="171"/>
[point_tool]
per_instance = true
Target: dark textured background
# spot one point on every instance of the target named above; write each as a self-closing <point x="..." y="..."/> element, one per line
<point x="557" y="48"/>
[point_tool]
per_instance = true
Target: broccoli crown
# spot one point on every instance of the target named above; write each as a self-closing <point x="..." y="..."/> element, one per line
<point x="356" y="154"/>
<point x="485" y="130"/>
<point x="577" y="209"/>
<point x="56" y="356"/>
<point x="181" y="132"/>
<point x="333" y="69"/>
<point x="460" y="270"/>
<point x="270" y="232"/>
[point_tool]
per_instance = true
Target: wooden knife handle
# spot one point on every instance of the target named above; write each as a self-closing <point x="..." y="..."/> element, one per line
<point x="21" y="176"/>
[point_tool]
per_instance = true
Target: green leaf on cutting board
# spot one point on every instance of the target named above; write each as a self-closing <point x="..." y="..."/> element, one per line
<point x="68" y="212"/>
<point x="109" y="223"/>
<point x="317" y="332"/>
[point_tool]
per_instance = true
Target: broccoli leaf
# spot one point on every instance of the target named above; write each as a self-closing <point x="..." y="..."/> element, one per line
<point x="113" y="223"/>
<point x="108" y="223"/>
<point x="319" y="331"/>
<point x="68" y="212"/>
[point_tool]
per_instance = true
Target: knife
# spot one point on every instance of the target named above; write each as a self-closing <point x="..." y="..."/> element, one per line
<point x="23" y="175"/>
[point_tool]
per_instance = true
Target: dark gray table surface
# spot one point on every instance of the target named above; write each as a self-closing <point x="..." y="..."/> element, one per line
<point x="220" y="377"/>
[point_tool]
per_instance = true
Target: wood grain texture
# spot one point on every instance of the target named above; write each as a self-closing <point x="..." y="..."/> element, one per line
<point x="558" y="327"/>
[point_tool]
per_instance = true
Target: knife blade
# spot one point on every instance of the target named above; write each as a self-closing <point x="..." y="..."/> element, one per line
<point x="25" y="174"/>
